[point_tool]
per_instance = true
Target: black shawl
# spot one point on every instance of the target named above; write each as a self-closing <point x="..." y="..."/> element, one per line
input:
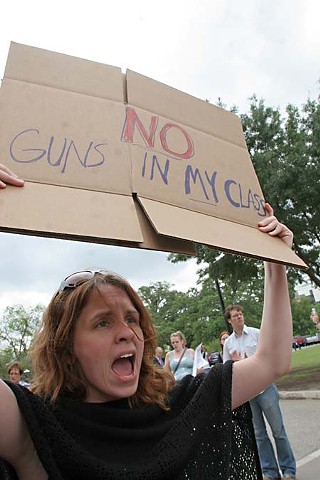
<point x="199" y="438"/>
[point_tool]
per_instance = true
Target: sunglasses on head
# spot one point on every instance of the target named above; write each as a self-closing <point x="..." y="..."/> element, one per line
<point x="77" y="278"/>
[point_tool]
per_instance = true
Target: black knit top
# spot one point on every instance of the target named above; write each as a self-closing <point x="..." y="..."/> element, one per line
<point x="199" y="438"/>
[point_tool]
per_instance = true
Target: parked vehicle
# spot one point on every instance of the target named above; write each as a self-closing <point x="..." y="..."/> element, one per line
<point x="214" y="358"/>
<point x="299" y="340"/>
<point x="312" y="339"/>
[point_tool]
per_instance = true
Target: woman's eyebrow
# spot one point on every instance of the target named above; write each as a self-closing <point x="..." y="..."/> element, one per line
<point x="99" y="315"/>
<point x="108" y="313"/>
<point x="133" y="311"/>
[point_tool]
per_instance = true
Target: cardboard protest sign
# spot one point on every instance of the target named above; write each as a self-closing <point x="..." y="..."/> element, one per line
<point x="120" y="158"/>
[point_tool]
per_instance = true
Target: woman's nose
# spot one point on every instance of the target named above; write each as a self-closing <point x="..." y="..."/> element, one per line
<point x="124" y="331"/>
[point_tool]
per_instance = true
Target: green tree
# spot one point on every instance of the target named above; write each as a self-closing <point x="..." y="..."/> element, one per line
<point x="285" y="153"/>
<point x="302" y="324"/>
<point x="197" y="313"/>
<point x="240" y="279"/>
<point x="172" y="310"/>
<point x="166" y="306"/>
<point x="18" y="326"/>
<point x="5" y="359"/>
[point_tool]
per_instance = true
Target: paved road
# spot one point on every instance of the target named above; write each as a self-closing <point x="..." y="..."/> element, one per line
<point x="302" y="422"/>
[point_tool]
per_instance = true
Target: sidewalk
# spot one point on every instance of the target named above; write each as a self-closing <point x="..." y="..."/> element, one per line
<point x="308" y="467"/>
<point x="300" y="394"/>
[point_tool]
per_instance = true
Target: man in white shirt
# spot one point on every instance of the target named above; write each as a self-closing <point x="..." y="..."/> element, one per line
<point x="241" y="344"/>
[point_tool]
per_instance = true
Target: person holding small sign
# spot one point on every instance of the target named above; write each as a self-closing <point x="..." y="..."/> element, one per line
<point x="100" y="409"/>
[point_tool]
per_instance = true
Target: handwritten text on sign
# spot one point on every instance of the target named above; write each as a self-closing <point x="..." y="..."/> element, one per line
<point x="58" y="153"/>
<point x="154" y="163"/>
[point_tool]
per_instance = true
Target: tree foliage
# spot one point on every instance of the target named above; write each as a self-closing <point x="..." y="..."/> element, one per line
<point x="285" y="151"/>
<point x="18" y="325"/>
<point x="286" y="156"/>
<point x="197" y="312"/>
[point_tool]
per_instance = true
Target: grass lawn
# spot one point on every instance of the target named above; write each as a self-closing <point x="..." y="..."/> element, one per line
<point x="305" y="373"/>
<point x="307" y="357"/>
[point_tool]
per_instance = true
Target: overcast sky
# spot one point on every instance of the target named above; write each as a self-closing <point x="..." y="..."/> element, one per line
<point x="227" y="49"/>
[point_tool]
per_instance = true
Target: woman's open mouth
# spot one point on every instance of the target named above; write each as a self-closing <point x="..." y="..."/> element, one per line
<point x="124" y="365"/>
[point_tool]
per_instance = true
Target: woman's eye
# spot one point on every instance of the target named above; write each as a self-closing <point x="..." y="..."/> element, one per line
<point x="133" y="320"/>
<point x="102" y="324"/>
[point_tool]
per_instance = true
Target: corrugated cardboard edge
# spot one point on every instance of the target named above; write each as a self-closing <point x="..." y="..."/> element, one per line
<point x="61" y="212"/>
<point x="58" y="211"/>
<point x="155" y="241"/>
<point x="220" y="234"/>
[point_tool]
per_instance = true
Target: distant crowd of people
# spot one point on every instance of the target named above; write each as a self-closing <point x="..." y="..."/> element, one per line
<point x="265" y="407"/>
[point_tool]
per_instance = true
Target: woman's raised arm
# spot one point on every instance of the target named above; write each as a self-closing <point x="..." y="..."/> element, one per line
<point x="273" y="355"/>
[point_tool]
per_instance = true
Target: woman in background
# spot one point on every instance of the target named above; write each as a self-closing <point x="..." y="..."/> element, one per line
<point x="222" y="338"/>
<point x="180" y="360"/>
